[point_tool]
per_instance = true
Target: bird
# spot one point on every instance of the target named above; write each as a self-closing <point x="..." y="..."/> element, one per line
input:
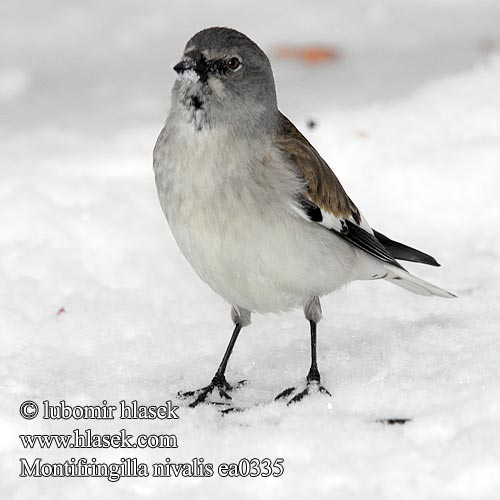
<point x="254" y="208"/>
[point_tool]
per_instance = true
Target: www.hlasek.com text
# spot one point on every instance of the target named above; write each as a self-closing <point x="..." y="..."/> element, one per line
<point x="90" y="439"/>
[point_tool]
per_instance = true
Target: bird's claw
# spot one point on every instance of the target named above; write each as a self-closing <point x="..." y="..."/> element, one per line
<point x="312" y="386"/>
<point x="284" y="394"/>
<point x="218" y="383"/>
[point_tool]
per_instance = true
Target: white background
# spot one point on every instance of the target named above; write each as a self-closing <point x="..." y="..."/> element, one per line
<point x="409" y="118"/>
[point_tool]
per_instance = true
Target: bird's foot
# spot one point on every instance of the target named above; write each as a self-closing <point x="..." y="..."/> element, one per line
<point x="310" y="388"/>
<point x="219" y="384"/>
<point x="313" y="386"/>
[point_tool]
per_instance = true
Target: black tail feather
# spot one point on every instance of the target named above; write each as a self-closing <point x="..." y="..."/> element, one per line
<point x="404" y="252"/>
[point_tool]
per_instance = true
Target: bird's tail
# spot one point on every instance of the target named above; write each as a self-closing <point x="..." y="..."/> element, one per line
<point x="404" y="279"/>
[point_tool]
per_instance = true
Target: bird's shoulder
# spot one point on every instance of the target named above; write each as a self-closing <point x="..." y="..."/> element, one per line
<point x="322" y="186"/>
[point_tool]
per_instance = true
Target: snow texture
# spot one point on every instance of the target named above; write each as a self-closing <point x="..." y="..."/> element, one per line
<point x="97" y="303"/>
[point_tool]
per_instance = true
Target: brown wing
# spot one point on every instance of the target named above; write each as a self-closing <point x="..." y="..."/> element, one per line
<point x="323" y="187"/>
<point x="325" y="201"/>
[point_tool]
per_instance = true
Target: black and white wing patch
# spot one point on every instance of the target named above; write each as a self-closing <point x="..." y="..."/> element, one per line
<point x="360" y="235"/>
<point x="367" y="242"/>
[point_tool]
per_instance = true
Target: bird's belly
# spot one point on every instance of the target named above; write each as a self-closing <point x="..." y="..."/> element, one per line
<point x="257" y="256"/>
<point x="235" y="225"/>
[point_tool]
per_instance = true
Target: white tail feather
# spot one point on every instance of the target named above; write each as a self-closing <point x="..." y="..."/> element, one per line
<point x="410" y="282"/>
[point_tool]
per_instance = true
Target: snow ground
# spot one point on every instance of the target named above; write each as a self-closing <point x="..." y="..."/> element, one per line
<point x="410" y="120"/>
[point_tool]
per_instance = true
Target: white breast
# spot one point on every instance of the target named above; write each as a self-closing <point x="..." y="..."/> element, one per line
<point x="232" y="220"/>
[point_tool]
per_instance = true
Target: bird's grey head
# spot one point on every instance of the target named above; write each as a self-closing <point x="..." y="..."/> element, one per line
<point x="224" y="80"/>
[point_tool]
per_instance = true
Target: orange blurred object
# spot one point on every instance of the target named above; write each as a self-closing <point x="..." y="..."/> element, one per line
<point x="309" y="54"/>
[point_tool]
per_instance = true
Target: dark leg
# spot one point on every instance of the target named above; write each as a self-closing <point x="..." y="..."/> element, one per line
<point x="313" y="377"/>
<point x="219" y="381"/>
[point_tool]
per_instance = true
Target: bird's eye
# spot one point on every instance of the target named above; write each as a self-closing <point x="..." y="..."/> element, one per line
<point x="233" y="63"/>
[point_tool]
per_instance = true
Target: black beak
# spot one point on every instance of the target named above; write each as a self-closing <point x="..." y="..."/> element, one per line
<point x="193" y="61"/>
<point x="183" y="66"/>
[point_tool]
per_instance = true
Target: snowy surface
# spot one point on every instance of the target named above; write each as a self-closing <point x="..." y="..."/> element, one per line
<point x="409" y="118"/>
